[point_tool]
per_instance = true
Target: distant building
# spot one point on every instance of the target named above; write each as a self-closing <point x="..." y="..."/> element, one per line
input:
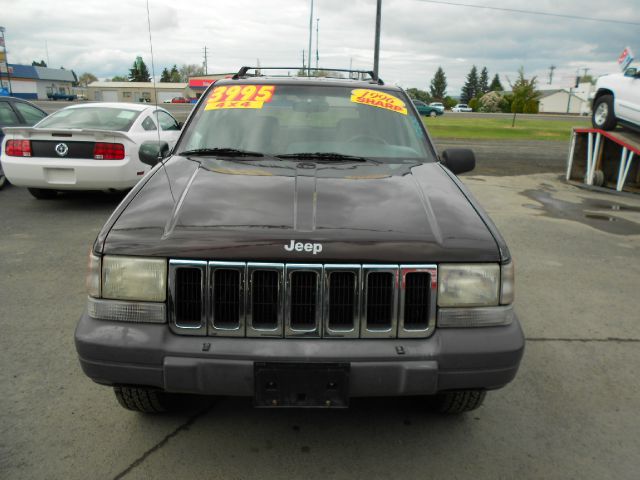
<point x="135" y="91"/>
<point x="564" y="100"/>
<point x="200" y="83"/>
<point x="145" y="92"/>
<point x="34" y="83"/>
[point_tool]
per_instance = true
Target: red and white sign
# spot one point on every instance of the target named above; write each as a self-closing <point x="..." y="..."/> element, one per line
<point x="626" y="57"/>
<point x="200" y="82"/>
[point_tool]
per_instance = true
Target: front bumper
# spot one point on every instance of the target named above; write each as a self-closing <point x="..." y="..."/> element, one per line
<point x="114" y="353"/>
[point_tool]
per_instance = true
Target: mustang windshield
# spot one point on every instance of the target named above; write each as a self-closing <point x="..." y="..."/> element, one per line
<point x="292" y="119"/>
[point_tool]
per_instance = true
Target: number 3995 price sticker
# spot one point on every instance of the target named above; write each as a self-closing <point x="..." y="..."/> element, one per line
<point x="240" y="96"/>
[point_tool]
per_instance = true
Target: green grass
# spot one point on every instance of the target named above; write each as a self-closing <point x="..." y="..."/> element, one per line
<point x="449" y="126"/>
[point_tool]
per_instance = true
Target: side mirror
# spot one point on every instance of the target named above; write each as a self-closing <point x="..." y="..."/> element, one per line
<point x="180" y="125"/>
<point x="153" y="151"/>
<point x="631" y="72"/>
<point x="459" y="160"/>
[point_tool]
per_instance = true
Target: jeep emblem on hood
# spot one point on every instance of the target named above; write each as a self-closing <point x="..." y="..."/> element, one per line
<point x="303" y="247"/>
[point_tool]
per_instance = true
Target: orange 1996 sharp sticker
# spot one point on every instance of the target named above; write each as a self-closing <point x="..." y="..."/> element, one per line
<point x="379" y="99"/>
<point x="239" y="96"/>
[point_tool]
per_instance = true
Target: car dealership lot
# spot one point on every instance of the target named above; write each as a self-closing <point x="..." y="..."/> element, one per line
<point x="570" y="413"/>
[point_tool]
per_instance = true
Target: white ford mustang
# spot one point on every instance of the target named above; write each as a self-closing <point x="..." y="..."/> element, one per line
<point x="85" y="147"/>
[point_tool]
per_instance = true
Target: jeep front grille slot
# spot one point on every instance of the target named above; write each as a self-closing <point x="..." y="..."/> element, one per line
<point x="379" y="300"/>
<point x="416" y="300"/>
<point x="301" y="300"/>
<point x="226" y="298"/>
<point x="188" y="296"/>
<point x="264" y="299"/>
<point x="418" y="286"/>
<point x="342" y="300"/>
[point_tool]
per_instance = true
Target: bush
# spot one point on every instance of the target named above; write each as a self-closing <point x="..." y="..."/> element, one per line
<point x="490" y="102"/>
<point x="474" y="104"/>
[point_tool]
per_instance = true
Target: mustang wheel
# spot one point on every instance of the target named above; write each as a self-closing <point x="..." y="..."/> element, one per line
<point x="141" y="399"/>
<point x="459" y="402"/>
<point x="43" y="193"/>
<point x="603" y="115"/>
<point x="3" y="181"/>
<point x="432" y="114"/>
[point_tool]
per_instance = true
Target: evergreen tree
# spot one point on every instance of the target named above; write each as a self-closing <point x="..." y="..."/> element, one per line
<point x="175" y="76"/>
<point x="496" y="86"/>
<point x="165" y="76"/>
<point x="469" y="90"/>
<point x="139" y="71"/>
<point x="483" y="86"/>
<point x="438" y="87"/>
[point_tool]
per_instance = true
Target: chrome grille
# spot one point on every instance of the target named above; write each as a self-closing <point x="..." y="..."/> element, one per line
<point x="302" y="300"/>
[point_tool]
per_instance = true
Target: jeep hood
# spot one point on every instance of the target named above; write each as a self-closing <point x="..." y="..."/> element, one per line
<point x="249" y="210"/>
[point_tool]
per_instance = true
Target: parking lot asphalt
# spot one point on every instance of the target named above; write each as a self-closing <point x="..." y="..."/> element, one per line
<point x="572" y="412"/>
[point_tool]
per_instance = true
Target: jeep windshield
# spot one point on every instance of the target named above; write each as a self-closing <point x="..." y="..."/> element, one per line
<point x="324" y="123"/>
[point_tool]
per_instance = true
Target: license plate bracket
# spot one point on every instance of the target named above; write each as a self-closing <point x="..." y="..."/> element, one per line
<point x="295" y="385"/>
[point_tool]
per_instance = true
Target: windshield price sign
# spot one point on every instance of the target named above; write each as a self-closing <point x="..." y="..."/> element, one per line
<point x="378" y="99"/>
<point x="240" y="96"/>
<point x="625" y="59"/>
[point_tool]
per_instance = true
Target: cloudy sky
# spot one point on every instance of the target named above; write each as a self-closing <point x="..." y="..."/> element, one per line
<point x="104" y="37"/>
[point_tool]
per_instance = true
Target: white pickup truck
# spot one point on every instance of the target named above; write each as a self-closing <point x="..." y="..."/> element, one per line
<point x="617" y="100"/>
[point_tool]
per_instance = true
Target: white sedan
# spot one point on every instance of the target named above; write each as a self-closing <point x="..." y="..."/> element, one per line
<point x="462" y="107"/>
<point x="85" y="147"/>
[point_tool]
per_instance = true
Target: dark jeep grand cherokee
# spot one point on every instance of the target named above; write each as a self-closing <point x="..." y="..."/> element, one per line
<point x="303" y="244"/>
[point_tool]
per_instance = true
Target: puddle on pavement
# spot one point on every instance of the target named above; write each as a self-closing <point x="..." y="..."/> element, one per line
<point x="595" y="213"/>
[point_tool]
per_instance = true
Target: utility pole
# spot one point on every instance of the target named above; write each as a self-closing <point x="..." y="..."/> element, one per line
<point x="206" y="66"/>
<point x="46" y="49"/>
<point x="310" y="38"/>
<point x="551" y="69"/>
<point x="304" y="67"/>
<point x="317" y="37"/>
<point x="585" y="71"/>
<point x="5" y="60"/>
<point x="376" y="51"/>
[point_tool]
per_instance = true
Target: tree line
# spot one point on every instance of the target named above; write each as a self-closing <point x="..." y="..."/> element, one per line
<point x="139" y="72"/>
<point x="482" y="95"/>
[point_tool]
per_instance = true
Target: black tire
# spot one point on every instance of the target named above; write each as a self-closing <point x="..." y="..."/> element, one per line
<point x="3" y="181"/>
<point x="43" y="193"/>
<point x="459" y="402"/>
<point x="143" y="399"/>
<point x="603" y="116"/>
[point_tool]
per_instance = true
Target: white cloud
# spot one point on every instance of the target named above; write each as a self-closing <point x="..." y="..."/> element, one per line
<point x="105" y="37"/>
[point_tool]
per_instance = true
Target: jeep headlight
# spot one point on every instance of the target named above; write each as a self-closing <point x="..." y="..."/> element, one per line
<point x="472" y="285"/>
<point x="134" y="278"/>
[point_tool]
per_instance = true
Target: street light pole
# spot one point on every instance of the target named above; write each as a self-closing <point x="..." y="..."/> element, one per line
<point x="310" y="38"/>
<point x="376" y="52"/>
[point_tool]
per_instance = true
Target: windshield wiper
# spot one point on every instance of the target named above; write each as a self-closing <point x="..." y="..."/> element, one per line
<point x="221" y="152"/>
<point x="324" y="156"/>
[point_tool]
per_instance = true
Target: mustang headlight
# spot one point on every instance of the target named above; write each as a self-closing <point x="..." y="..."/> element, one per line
<point x="134" y="278"/>
<point x="473" y="285"/>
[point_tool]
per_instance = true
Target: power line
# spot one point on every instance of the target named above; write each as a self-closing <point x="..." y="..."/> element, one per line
<point x="531" y="12"/>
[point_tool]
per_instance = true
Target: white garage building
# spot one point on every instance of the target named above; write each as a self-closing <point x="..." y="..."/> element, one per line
<point x="134" y="91"/>
<point x="575" y="100"/>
